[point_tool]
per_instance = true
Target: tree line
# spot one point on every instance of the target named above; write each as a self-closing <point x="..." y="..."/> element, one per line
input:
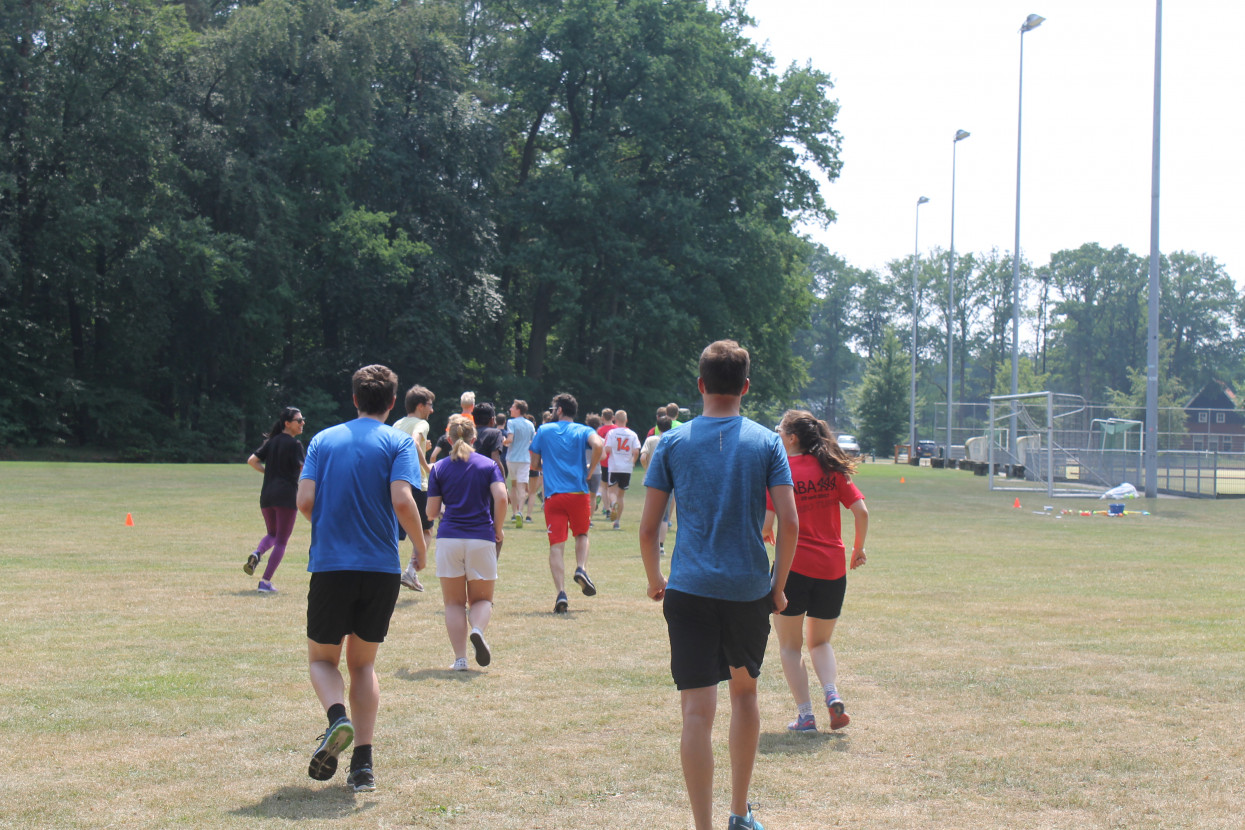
<point x="211" y="209"/>
<point x="1083" y="331"/>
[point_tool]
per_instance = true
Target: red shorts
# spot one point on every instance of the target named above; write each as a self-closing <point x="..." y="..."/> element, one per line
<point x="573" y="509"/>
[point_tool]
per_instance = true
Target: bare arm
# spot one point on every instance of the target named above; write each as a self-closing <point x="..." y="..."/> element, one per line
<point x="861" y="514"/>
<point x="405" y="509"/>
<point x="255" y="462"/>
<point x="500" y="502"/>
<point x="650" y="520"/>
<point x="767" y="530"/>
<point x="784" y="545"/>
<point x="535" y="468"/>
<point x="433" y="508"/>
<point x="597" y="445"/>
<point x="306" y="498"/>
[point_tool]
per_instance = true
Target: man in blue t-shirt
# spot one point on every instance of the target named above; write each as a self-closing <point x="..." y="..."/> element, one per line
<point x="559" y="451"/>
<point x="720" y="592"/>
<point x="355" y="489"/>
<point x="519" y="460"/>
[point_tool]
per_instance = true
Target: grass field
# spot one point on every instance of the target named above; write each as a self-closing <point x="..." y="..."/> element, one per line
<point x="1002" y="669"/>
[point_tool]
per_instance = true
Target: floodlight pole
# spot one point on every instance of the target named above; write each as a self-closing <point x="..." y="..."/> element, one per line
<point x="1031" y="23"/>
<point x="960" y="135"/>
<point x="1152" y="329"/>
<point x="916" y="264"/>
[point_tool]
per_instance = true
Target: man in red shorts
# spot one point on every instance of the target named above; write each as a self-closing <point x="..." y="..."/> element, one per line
<point x="558" y="452"/>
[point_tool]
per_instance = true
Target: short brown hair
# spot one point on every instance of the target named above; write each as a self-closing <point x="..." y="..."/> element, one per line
<point x="724" y="368"/>
<point x="417" y="395"/>
<point x="375" y="388"/>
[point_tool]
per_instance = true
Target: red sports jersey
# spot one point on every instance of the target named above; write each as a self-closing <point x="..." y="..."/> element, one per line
<point x="819" y="552"/>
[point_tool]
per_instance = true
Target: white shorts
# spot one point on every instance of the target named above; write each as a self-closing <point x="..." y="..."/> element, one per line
<point x="521" y="471"/>
<point x="472" y="558"/>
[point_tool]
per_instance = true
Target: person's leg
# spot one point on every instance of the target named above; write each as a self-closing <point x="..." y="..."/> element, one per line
<point x="454" y="594"/>
<point x="364" y="687"/>
<point x="285" y="518"/>
<point x="696" y="750"/>
<point x="322" y="661"/>
<point x="581" y="551"/>
<point x="819" y="651"/>
<point x="790" y="649"/>
<point x="270" y="528"/>
<point x="745" y="736"/>
<point x="616" y="494"/>
<point x="480" y="602"/>
<point x="556" y="567"/>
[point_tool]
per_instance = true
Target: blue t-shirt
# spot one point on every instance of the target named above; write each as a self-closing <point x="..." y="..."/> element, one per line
<point x="353" y="526"/>
<point x="466" y="499"/>
<point x="520" y="447"/>
<point x="719" y="470"/>
<point x="561" y="446"/>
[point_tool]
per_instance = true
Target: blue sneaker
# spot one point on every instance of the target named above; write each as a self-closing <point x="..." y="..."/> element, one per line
<point x="803" y="723"/>
<point x="334" y="740"/>
<point x="748" y="822"/>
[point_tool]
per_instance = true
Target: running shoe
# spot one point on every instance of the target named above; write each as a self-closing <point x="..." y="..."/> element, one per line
<point x="459" y="665"/>
<point x="265" y="587"/>
<point x="411" y="579"/>
<point x="748" y="822"/>
<point x="528" y="520"/>
<point x="561" y="606"/>
<point x="585" y="584"/>
<point x="483" y="654"/>
<point x="518" y="522"/>
<point x="252" y="560"/>
<point x="617" y="526"/>
<point x="334" y="740"/>
<point x="361" y="780"/>
<point x="838" y="718"/>
<point x="615" y="512"/>
<point x="803" y="723"/>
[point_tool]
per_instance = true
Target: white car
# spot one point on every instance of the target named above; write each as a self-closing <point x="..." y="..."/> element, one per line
<point x="849" y="445"/>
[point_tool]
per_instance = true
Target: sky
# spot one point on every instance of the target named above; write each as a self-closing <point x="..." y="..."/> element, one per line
<point x="909" y="73"/>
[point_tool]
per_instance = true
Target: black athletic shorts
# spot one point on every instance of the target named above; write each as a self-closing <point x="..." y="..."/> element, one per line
<point x="710" y="636"/>
<point x="350" y="602"/>
<point x="819" y="598"/>
<point x="620" y="480"/>
<point x="421" y="501"/>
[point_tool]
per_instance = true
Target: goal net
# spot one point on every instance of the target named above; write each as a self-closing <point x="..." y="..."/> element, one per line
<point x="1050" y="442"/>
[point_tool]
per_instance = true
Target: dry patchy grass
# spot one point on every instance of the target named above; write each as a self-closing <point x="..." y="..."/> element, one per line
<point x="1001" y="668"/>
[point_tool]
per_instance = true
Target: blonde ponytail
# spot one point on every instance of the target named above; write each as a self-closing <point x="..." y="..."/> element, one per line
<point x="462" y="434"/>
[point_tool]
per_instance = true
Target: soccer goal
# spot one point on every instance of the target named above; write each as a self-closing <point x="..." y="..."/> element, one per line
<point x="1054" y="450"/>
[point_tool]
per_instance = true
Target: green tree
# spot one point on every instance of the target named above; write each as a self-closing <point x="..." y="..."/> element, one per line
<point x="656" y="163"/>
<point x="882" y="398"/>
<point x="1099" y="321"/>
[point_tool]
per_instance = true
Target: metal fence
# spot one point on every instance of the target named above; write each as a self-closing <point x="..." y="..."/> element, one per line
<point x="1076" y="448"/>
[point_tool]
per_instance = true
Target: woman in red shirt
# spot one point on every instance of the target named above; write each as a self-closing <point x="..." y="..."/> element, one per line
<point x="821" y="473"/>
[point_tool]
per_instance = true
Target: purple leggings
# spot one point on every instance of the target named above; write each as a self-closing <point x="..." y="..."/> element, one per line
<point x="280" y="524"/>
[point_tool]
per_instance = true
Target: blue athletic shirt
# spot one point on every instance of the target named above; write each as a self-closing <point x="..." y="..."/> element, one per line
<point x="353" y="526"/>
<point x="719" y="470"/>
<point x="561" y="446"/>
<point x="520" y="447"/>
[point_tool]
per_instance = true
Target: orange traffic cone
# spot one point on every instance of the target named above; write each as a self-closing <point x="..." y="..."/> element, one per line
<point x="129" y="520"/>
<point x="1017" y="502"/>
<point x="901" y="479"/>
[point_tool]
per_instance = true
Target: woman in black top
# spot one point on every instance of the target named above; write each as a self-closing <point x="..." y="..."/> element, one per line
<point x="280" y="459"/>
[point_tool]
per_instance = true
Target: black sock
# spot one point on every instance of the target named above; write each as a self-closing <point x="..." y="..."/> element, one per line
<point x="336" y="712"/>
<point x="362" y="757"/>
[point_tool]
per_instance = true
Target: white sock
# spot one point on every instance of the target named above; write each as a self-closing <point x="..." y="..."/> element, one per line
<point x="806" y="709"/>
<point x="829" y="689"/>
